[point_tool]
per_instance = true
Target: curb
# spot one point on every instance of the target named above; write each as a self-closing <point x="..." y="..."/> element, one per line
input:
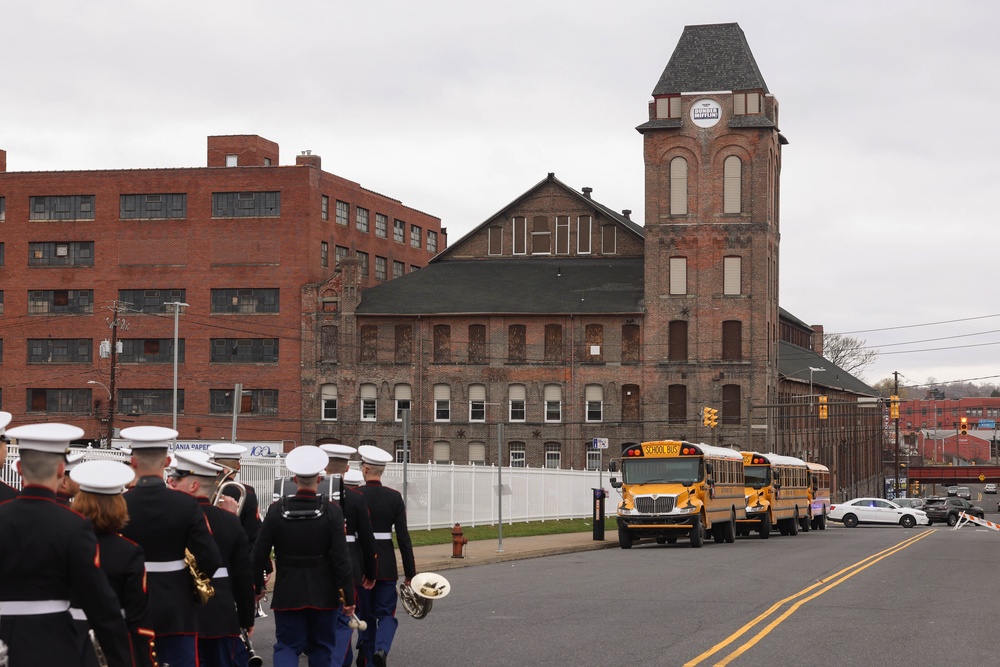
<point x="438" y="564"/>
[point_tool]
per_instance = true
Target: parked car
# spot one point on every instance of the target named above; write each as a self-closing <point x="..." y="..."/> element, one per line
<point x="952" y="490"/>
<point x="876" y="510"/>
<point x="964" y="492"/>
<point x="915" y="503"/>
<point x="946" y="510"/>
<point x="990" y="488"/>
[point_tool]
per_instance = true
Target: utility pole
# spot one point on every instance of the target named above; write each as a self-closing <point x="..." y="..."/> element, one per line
<point x="895" y="392"/>
<point x="114" y="322"/>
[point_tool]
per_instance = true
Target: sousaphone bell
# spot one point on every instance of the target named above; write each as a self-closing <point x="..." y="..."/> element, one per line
<point x="418" y="598"/>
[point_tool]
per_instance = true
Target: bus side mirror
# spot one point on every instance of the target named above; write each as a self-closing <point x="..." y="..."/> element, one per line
<point x="709" y="468"/>
<point x="613" y="466"/>
<point x="615" y="484"/>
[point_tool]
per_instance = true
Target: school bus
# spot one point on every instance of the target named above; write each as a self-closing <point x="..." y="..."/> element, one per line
<point x="777" y="494"/>
<point x="672" y="488"/>
<point x="819" y="495"/>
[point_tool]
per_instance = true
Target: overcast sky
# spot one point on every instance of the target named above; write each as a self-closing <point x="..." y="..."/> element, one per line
<point x="458" y="107"/>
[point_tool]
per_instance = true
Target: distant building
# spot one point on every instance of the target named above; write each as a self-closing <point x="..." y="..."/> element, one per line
<point x="238" y="240"/>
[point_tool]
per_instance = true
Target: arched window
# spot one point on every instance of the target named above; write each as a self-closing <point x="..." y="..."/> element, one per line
<point x="678" y="186"/>
<point x="732" y="186"/>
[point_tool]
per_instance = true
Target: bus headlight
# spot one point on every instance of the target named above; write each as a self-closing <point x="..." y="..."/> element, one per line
<point x="687" y="510"/>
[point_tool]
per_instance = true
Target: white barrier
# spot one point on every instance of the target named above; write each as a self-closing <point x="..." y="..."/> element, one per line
<point x="438" y="496"/>
<point x="964" y="518"/>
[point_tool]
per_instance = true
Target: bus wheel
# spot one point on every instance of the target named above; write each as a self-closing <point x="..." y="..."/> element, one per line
<point x="624" y="539"/>
<point x="661" y="539"/>
<point x="765" y="526"/>
<point x="805" y="524"/>
<point x="821" y="521"/>
<point x="697" y="533"/>
<point x="718" y="533"/>
<point x="730" y="530"/>
<point x="793" y="523"/>
<point x="672" y="539"/>
<point x="783" y="526"/>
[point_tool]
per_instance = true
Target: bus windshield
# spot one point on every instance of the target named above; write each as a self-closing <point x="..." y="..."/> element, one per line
<point x="685" y="471"/>
<point x="757" y="477"/>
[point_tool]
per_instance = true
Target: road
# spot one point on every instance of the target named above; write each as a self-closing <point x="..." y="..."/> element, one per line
<point x="841" y="596"/>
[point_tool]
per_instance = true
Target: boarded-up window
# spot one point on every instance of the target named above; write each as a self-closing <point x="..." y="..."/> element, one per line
<point x="442" y="452"/>
<point x="404" y="343"/>
<point x="731" y="403"/>
<point x="328" y="344"/>
<point x="583" y="235"/>
<point x="678" y="340"/>
<point x="151" y="346"/>
<point x="541" y="236"/>
<point x="562" y="234"/>
<point x="516" y="343"/>
<point x="732" y="275"/>
<point x="630" y="343"/>
<point x="732" y="187"/>
<point x="496" y="241"/>
<point x="732" y="340"/>
<point x="594" y="345"/>
<point x="678" y="275"/>
<point x="677" y="396"/>
<point x="369" y="343"/>
<point x="609" y="239"/>
<point x="477" y="453"/>
<point x="477" y="343"/>
<point x="678" y="186"/>
<point x="442" y="343"/>
<point x="630" y="403"/>
<point x="553" y="342"/>
<point x="520" y="235"/>
<point x="668" y="107"/>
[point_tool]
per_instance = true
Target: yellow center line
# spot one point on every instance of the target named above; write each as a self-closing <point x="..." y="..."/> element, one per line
<point x="829" y="582"/>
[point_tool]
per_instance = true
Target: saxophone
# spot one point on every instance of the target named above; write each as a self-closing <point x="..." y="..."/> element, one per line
<point x="203" y="589"/>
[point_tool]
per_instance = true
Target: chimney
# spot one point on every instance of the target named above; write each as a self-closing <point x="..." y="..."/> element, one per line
<point x="587" y="191"/>
<point x="627" y="212"/>
<point x="3" y="160"/>
<point x="817" y="339"/>
<point x="306" y="158"/>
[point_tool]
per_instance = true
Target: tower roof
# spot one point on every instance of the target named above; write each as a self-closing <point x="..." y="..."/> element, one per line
<point x="710" y="58"/>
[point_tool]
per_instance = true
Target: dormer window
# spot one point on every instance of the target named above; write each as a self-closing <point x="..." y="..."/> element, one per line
<point x="745" y="104"/>
<point x="668" y="106"/>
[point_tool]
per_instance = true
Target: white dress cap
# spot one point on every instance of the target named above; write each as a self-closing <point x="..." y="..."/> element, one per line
<point x="306" y="461"/>
<point x="73" y="460"/>
<point x="196" y="463"/>
<point x="5" y="418"/>
<point x="51" y="438"/>
<point x="149" y="437"/>
<point x="354" y="478"/>
<point x="171" y="460"/>
<point x="335" y="451"/>
<point x="226" y="450"/>
<point x="374" y="456"/>
<point x="103" y="476"/>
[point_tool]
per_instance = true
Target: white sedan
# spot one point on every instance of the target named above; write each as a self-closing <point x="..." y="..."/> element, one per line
<point x="876" y="510"/>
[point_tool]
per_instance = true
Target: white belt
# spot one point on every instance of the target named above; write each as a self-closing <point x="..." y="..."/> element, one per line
<point x="77" y="614"/>
<point x="351" y="538"/>
<point x="383" y="536"/>
<point x="32" y="607"/>
<point x="220" y="573"/>
<point x="165" y="566"/>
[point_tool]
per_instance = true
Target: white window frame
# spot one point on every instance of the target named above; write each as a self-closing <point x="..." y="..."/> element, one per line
<point x="477" y="453"/>
<point x="553" y="454"/>
<point x="442" y="403"/>
<point x="594" y="459"/>
<point x="517" y="457"/>
<point x="517" y="400"/>
<point x="328" y="402"/>
<point x="477" y="403"/>
<point x="594" y="399"/>
<point x="369" y="403"/>
<point x="403" y="396"/>
<point x="553" y="403"/>
<point x="441" y="447"/>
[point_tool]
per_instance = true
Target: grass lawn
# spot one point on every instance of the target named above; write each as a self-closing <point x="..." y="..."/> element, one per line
<point x="422" y="538"/>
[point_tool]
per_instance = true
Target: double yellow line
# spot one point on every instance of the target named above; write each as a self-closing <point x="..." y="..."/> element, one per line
<point x="794" y="602"/>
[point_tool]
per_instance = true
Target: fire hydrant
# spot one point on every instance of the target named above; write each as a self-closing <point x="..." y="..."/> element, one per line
<point x="458" y="542"/>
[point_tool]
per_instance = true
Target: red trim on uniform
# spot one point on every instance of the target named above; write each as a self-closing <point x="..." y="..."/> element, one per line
<point x="97" y="555"/>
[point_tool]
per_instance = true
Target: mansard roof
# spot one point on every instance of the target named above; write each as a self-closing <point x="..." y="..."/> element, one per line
<point x="506" y="211"/>
<point x="508" y="286"/>
<point x="708" y="58"/>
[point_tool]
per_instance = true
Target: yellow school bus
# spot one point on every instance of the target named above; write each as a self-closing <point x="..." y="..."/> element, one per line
<point x="819" y="495"/>
<point x="777" y="494"/>
<point x="672" y="488"/>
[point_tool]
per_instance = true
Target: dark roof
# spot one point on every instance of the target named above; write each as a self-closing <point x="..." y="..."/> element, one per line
<point x="633" y="226"/>
<point x="586" y="286"/>
<point x="785" y="315"/>
<point x="710" y="58"/>
<point x="794" y="363"/>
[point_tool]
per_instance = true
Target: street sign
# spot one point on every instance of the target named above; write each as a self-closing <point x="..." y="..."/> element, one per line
<point x="987" y="423"/>
<point x="600" y="443"/>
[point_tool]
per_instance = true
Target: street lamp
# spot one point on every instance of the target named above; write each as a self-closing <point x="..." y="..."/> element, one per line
<point x="108" y="445"/>
<point x="811" y="371"/>
<point x="177" y="310"/>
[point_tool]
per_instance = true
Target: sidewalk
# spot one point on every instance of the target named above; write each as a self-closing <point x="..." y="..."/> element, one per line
<point x="437" y="557"/>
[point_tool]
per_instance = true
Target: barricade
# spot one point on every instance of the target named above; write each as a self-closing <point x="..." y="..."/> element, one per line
<point x="964" y="518"/>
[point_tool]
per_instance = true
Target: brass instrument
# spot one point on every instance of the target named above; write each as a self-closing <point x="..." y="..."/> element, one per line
<point x="418" y="597"/>
<point x="203" y="589"/>
<point x="102" y="660"/>
<point x="228" y="481"/>
<point x="3" y="655"/>
<point x="258" y="611"/>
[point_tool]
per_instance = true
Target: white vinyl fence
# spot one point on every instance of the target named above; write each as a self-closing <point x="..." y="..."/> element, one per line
<point x="438" y="496"/>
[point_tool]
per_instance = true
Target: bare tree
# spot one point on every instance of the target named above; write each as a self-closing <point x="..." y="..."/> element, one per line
<point x="849" y="353"/>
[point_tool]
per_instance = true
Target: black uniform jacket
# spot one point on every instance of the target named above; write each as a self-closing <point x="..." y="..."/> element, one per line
<point x="7" y="492"/>
<point x="50" y="552"/>
<point x="386" y="509"/>
<point x="311" y="559"/>
<point x="164" y="522"/>
<point x="122" y="561"/>
<point x="232" y="606"/>
<point x="359" y="526"/>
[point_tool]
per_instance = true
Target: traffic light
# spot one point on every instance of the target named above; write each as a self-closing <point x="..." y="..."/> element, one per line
<point x="963" y="427"/>
<point x="823" y="410"/>
<point x="705" y="412"/>
<point x="713" y="417"/>
<point x="894" y="407"/>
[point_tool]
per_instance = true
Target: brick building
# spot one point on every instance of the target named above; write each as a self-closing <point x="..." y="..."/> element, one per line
<point x="89" y="256"/>
<point x="564" y="320"/>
